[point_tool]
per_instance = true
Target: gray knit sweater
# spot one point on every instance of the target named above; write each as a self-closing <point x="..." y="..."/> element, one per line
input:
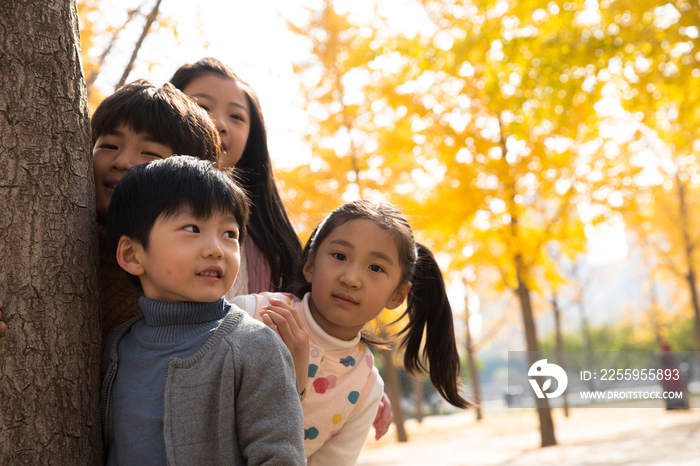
<point x="234" y="401"/>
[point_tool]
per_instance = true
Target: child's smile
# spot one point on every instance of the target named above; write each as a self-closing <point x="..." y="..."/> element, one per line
<point x="212" y="273"/>
<point x="354" y="275"/>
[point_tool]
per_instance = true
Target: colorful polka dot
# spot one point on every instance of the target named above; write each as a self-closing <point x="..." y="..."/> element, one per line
<point x="324" y="383"/>
<point x="313" y="368"/>
<point x="347" y="362"/>
<point x="369" y="361"/>
<point x="361" y="347"/>
<point x="310" y="433"/>
<point x="354" y="396"/>
<point x="321" y="385"/>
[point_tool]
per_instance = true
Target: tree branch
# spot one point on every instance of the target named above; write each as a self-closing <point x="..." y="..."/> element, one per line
<point x="150" y="19"/>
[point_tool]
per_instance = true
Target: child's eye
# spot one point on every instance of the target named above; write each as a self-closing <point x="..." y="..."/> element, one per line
<point x="204" y="107"/>
<point x="191" y="228"/>
<point x="237" y="117"/>
<point x="233" y="234"/>
<point x="152" y="154"/>
<point x="108" y="146"/>
<point x="339" y="256"/>
<point x="376" y="268"/>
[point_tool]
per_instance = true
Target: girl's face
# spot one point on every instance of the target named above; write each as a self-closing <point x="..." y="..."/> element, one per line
<point x="227" y="105"/>
<point x="354" y="274"/>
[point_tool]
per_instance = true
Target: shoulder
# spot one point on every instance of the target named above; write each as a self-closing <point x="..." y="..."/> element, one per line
<point x="250" y="337"/>
<point x="251" y="303"/>
<point x="111" y="341"/>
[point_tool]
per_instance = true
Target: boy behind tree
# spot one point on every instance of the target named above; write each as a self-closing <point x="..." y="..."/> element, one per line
<point x="192" y="380"/>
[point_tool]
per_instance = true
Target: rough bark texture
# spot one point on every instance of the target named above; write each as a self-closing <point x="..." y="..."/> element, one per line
<point x="49" y="355"/>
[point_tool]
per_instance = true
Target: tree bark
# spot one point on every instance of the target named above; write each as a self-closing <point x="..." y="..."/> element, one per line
<point x="50" y="352"/>
<point x="394" y="392"/>
<point x="543" y="412"/>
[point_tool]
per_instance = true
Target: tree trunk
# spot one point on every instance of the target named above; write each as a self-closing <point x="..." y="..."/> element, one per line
<point x="654" y="301"/>
<point x="394" y="392"/>
<point x="689" y="253"/>
<point x="559" y="346"/>
<point x="544" y="413"/>
<point x="50" y="352"/>
<point x="418" y="394"/>
<point x="473" y="371"/>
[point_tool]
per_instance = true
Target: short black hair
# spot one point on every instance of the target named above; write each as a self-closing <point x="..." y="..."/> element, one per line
<point x="166" y="187"/>
<point x="164" y="113"/>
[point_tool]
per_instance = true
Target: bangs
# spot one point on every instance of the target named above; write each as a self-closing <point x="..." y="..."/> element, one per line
<point x="164" y="114"/>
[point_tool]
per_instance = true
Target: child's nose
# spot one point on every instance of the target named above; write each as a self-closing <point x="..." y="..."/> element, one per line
<point x="124" y="160"/>
<point x="212" y="247"/>
<point x="351" y="277"/>
<point x="219" y="122"/>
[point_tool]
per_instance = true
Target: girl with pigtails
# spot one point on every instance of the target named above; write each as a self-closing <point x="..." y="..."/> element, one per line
<point x="360" y="260"/>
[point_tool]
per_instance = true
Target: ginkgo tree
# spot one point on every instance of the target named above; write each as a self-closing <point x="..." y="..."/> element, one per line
<point x="501" y="107"/>
<point x="655" y="53"/>
<point x="343" y="166"/>
<point x="482" y="125"/>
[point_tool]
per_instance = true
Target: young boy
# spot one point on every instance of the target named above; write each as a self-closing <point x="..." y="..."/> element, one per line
<point x="193" y="380"/>
<point x="139" y="123"/>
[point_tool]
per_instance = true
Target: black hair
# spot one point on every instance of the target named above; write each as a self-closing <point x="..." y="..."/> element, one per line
<point x="164" y="113"/>
<point x="270" y="227"/>
<point x="427" y="307"/>
<point x="166" y="187"/>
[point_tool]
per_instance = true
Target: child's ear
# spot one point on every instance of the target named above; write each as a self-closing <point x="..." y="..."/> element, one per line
<point x="309" y="268"/>
<point x="399" y="296"/>
<point x="128" y="256"/>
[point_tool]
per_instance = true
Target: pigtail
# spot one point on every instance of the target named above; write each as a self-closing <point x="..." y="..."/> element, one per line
<point x="429" y="312"/>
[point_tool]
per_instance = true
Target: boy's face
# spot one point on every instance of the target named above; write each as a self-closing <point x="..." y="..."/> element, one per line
<point x="115" y="153"/>
<point x="190" y="258"/>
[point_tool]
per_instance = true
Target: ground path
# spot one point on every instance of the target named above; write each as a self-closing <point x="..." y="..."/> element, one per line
<point x="604" y="436"/>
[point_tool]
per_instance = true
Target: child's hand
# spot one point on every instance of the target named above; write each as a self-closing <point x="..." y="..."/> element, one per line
<point x="2" y="324"/>
<point x="286" y="322"/>
<point x="384" y="417"/>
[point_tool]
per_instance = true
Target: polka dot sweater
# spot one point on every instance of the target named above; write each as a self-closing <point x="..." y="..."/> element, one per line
<point x="342" y="392"/>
